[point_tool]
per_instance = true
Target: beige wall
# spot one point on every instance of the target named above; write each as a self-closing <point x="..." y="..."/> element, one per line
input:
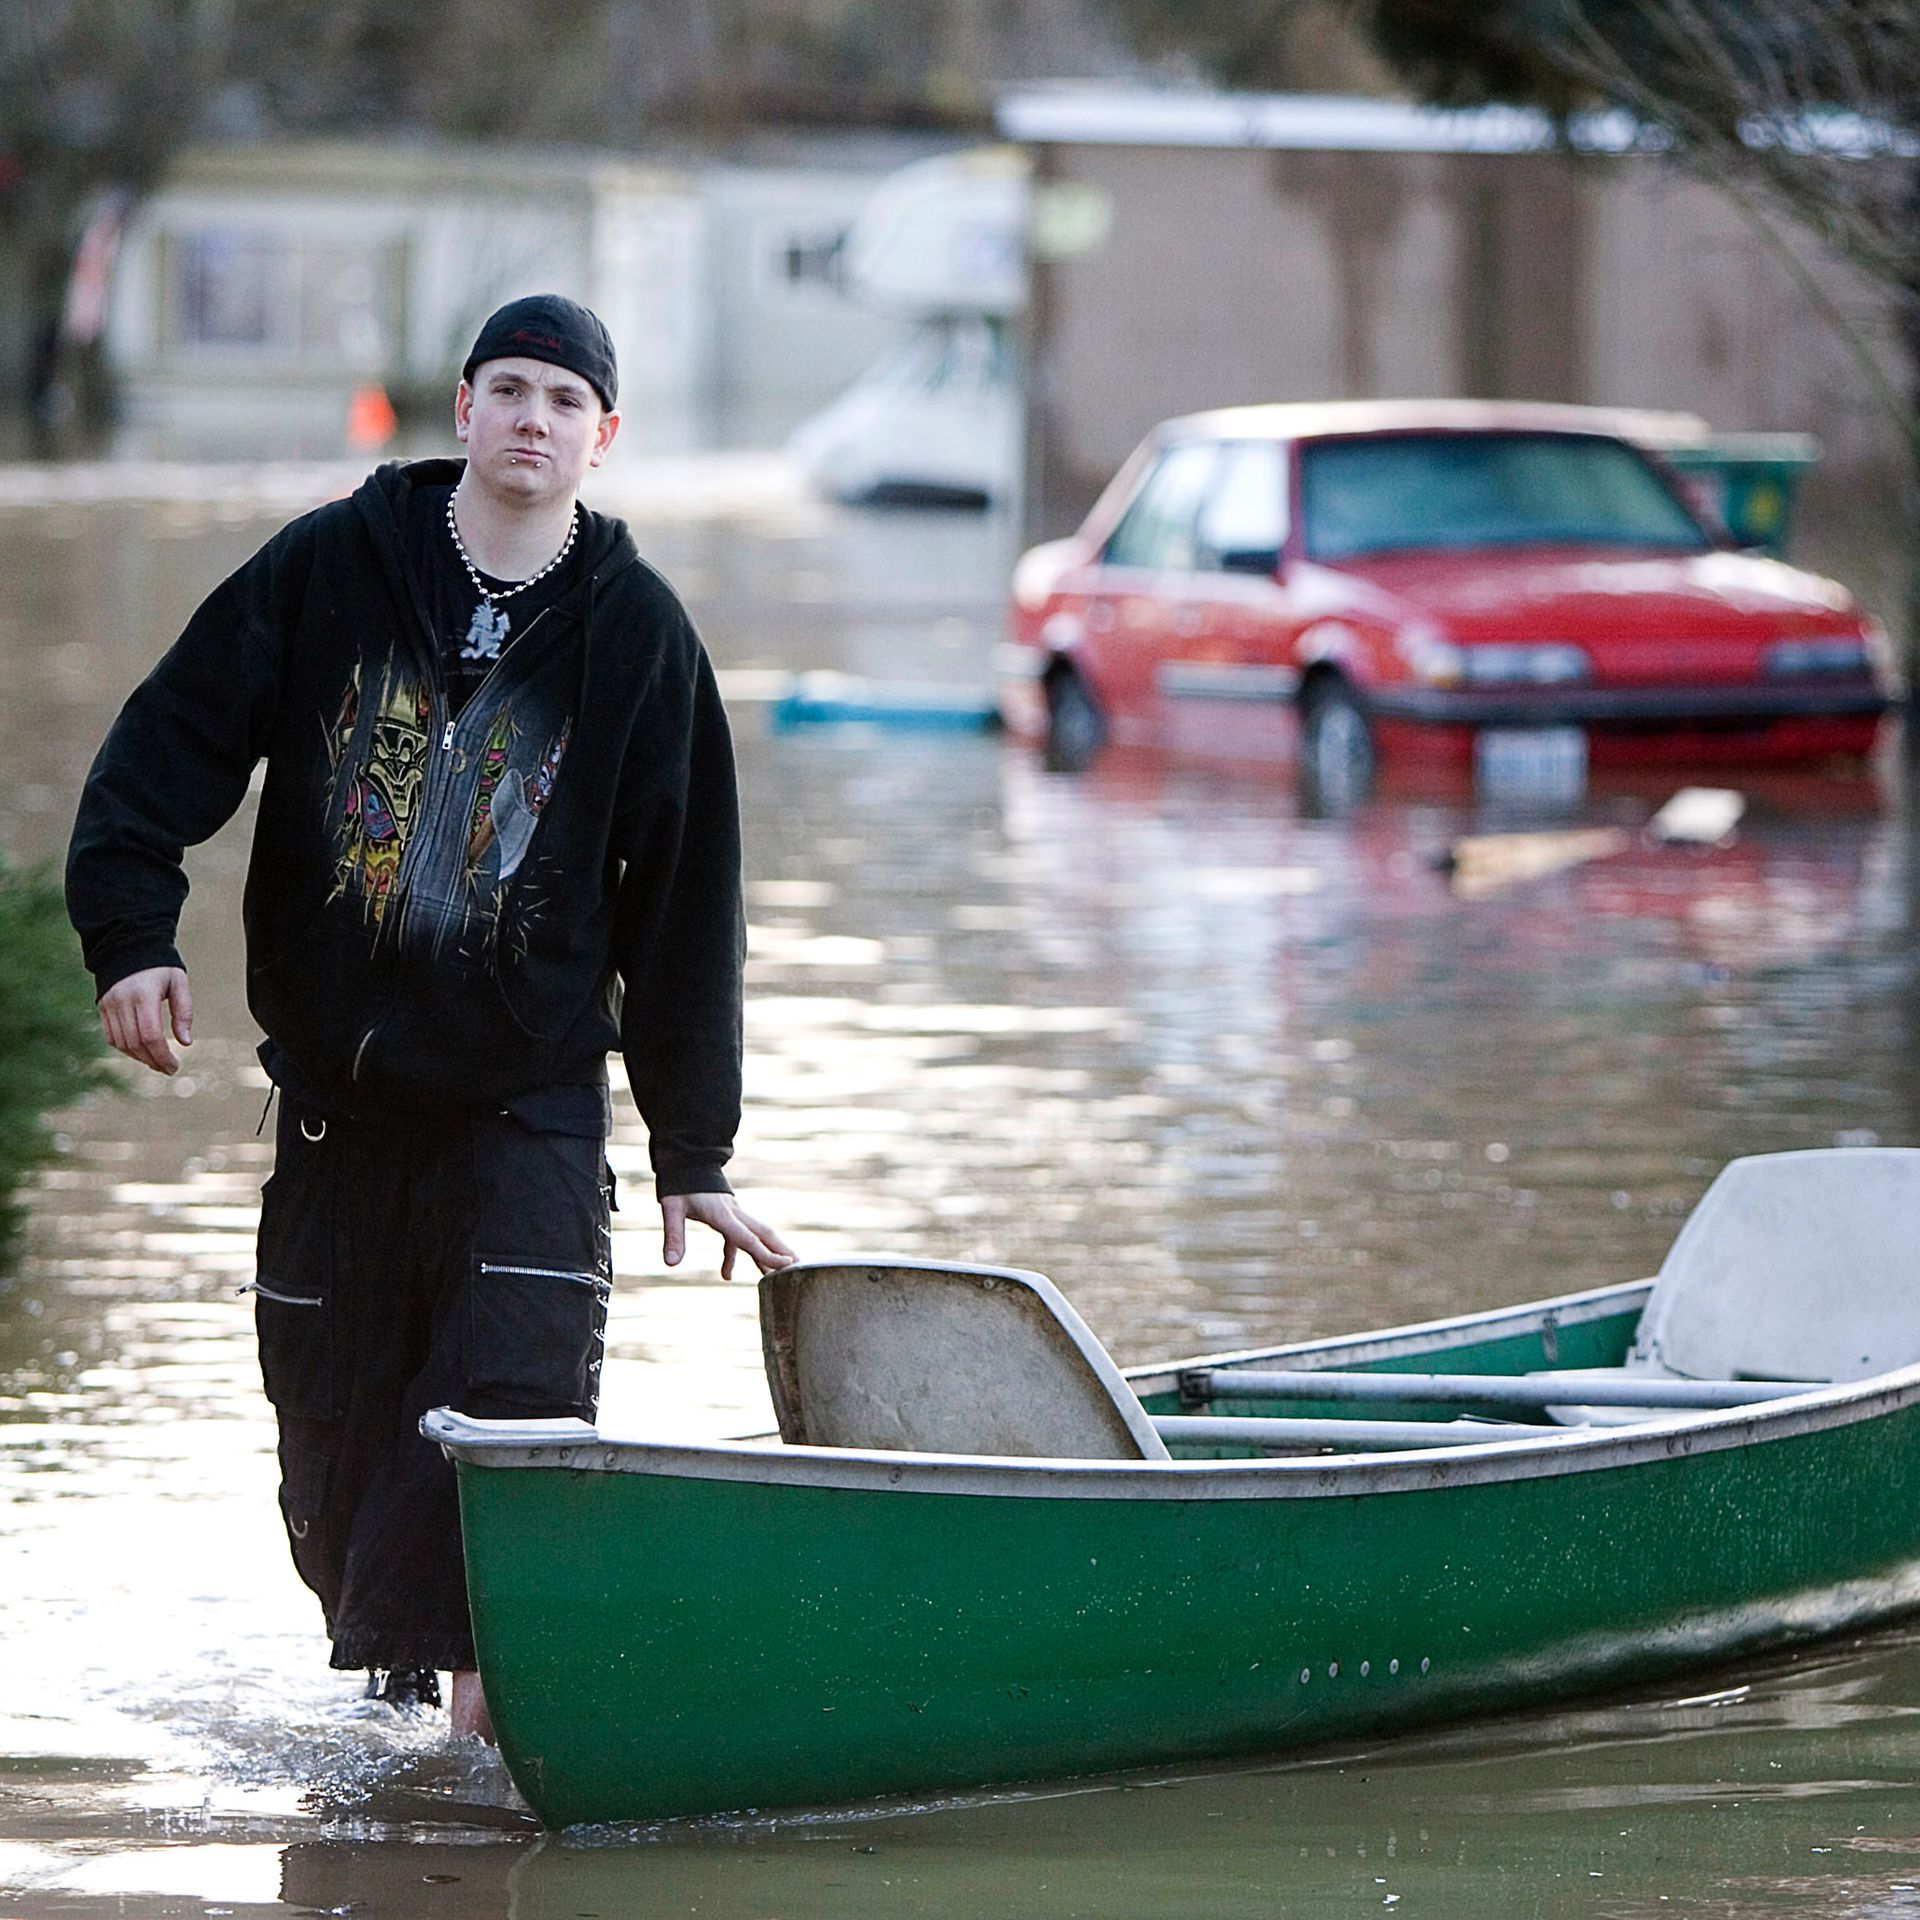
<point x="1689" y="307"/>
<point x="1248" y="274"/>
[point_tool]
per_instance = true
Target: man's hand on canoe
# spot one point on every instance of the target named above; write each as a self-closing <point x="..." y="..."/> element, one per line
<point x="136" y="1013"/>
<point x="740" y="1231"/>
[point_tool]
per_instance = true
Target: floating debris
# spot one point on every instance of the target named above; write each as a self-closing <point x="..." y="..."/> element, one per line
<point x="840" y="699"/>
<point x="1700" y="816"/>
<point x="1483" y="863"/>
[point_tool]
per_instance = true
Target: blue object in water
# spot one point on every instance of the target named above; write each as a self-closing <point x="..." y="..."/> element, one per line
<point x="838" y="699"/>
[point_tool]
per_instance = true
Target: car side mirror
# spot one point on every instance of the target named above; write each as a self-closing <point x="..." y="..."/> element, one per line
<point x="1261" y="560"/>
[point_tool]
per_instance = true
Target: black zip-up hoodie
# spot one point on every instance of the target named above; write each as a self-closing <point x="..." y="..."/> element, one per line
<point x="441" y="913"/>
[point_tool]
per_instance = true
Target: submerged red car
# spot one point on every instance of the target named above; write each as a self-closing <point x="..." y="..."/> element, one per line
<point x="1475" y="579"/>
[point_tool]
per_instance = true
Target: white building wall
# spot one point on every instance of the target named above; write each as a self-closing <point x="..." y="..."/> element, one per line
<point x="357" y="275"/>
<point x="469" y="256"/>
<point x="782" y="347"/>
<point x="403" y="260"/>
<point x="647" y="280"/>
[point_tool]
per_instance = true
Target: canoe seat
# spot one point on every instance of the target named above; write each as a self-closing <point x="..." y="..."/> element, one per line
<point x="931" y="1358"/>
<point x="1794" y="1266"/>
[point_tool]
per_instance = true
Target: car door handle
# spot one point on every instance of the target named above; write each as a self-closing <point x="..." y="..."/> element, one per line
<point x="1100" y="617"/>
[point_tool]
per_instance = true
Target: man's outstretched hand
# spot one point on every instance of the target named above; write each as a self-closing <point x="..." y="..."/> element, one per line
<point x="737" y="1228"/>
<point x="136" y="1013"/>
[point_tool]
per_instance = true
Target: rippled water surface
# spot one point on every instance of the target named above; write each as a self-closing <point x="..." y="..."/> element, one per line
<point x="1228" y="1073"/>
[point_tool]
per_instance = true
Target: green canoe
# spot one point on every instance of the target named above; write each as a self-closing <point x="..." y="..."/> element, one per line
<point x="1230" y="1560"/>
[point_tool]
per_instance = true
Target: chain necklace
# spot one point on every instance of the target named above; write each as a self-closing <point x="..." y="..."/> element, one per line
<point x="490" y="625"/>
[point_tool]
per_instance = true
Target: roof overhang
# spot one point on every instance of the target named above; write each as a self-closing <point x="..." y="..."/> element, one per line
<point x="1091" y="114"/>
<point x="1100" y="115"/>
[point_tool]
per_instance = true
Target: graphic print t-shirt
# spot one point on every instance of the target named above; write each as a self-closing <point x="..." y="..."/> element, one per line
<point x="452" y="599"/>
<point x="433" y="877"/>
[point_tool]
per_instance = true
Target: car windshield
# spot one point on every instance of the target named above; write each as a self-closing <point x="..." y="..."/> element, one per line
<point x="1453" y="490"/>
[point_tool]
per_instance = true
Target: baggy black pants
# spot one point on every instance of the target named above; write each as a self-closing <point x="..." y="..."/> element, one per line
<point x="405" y="1266"/>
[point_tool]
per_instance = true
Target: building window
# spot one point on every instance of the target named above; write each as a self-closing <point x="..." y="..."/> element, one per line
<point x="258" y="294"/>
<point x="816" y="257"/>
<point x="227" y="285"/>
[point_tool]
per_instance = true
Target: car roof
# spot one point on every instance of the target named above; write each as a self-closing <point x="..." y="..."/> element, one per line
<point x="1319" y="419"/>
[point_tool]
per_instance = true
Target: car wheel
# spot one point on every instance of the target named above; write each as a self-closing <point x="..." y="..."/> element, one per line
<point x="1076" y="729"/>
<point x="1337" y="761"/>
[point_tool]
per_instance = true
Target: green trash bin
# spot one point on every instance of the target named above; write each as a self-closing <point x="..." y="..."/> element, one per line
<point x="1749" y="480"/>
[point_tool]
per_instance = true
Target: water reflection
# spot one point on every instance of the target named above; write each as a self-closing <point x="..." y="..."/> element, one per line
<point x="1616" y="1809"/>
<point x="1788" y="1789"/>
<point x="1230" y="1073"/>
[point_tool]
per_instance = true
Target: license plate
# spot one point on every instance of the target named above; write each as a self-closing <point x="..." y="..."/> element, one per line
<point x="1531" y="760"/>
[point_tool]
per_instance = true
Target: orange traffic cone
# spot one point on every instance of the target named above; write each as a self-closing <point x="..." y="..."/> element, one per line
<point x="370" y="419"/>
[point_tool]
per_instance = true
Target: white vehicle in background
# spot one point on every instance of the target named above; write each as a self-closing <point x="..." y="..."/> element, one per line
<point x="938" y="420"/>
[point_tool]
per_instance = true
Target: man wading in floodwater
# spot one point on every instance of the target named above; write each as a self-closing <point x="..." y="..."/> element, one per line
<point x="497" y="837"/>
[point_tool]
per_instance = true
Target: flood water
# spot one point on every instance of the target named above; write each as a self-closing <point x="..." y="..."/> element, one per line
<point x="1229" y="1074"/>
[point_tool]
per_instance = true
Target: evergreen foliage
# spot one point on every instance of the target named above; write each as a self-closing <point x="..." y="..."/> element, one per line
<point x="50" y="1046"/>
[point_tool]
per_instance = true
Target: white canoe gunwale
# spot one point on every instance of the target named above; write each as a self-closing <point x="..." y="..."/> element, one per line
<point x="574" y="1446"/>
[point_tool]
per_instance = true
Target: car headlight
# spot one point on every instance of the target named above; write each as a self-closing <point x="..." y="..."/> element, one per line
<point x="1430" y="659"/>
<point x="1840" y="654"/>
<point x="1551" y="665"/>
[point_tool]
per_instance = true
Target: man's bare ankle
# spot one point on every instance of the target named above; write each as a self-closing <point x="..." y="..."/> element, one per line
<point x="467" y="1707"/>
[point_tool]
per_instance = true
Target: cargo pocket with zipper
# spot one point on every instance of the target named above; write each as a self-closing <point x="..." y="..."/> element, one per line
<point x="535" y="1339"/>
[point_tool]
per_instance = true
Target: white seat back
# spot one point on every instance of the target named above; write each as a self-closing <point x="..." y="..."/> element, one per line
<point x="1794" y="1266"/>
<point x="930" y="1358"/>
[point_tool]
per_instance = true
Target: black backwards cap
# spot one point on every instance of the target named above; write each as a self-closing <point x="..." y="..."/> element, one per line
<point x="550" y="327"/>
